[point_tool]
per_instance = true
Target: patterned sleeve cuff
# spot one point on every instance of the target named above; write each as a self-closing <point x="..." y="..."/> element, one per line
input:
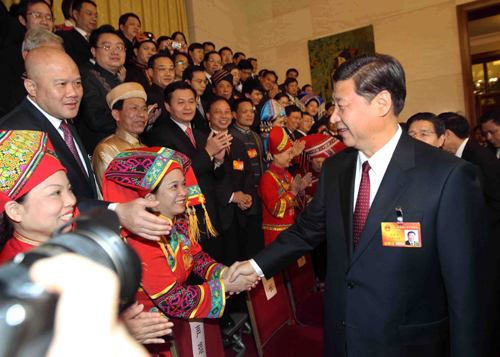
<point x="215" y="272"/>
<point x="218" y="293"/>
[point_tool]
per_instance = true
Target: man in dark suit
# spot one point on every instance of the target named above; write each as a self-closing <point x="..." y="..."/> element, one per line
<point x="195" y="77"/>
<point x="205" y="152"/>
<point x="383" y="300"/>
<point x="411" y="238"/>
<point x="212" y="63"/>
<point x="234" y="188"/>
<point x="76" y="40"/>
<point x="50" y="107"/>
<point x="490" y="126"/>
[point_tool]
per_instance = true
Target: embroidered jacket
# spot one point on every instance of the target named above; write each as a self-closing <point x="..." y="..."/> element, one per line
<point x="17" y="244"/>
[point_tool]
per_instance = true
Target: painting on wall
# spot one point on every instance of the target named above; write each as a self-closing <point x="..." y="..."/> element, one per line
<point x="327" y="53"/>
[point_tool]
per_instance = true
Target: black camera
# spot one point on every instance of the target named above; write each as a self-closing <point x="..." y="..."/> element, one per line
<point x="27" y="310"/>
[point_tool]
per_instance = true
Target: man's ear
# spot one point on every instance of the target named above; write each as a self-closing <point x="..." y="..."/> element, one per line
<point x="150" y="72"/>
<point x="22" y="20"/>
<point x="14" y="211"/>
<point x="93" y="51"/>
<point x="30" y="87"/>
<point x="115" y="114"/>
<point x="122" y="27"/>
<point x="384" y="103"/>
<point x="167" y="106"/>
<point x="135" y="51"/>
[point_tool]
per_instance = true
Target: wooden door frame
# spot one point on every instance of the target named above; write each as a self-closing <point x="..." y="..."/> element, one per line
<point x="465" y="53"/>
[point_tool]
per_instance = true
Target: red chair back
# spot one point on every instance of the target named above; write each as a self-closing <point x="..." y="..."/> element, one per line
<point x="268" y="316"/>
<point x="301" y="280"/>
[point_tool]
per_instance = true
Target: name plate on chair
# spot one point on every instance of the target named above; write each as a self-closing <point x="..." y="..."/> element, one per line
<point x="269" y="287"/>
<point x="302" y="261"/>
<point x="198" y="337"/>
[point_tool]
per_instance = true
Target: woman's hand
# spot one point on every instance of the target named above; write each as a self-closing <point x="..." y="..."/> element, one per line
<point x="306" y="180"/>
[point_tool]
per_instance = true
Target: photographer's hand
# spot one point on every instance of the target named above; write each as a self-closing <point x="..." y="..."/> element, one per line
<point x="94" y="289"/>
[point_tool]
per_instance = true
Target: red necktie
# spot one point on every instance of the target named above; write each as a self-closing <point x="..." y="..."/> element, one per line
<point x="189" y="133"/>
<point x="68" y="138"/>
<point x="362" y="203"/>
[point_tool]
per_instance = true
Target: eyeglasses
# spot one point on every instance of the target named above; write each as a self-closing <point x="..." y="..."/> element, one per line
<point x="112" y="48"/>
<point x="491" y="132"/>
<point x="424" y="133"/>
<point x="214" y="61"/>
<point x="200" y="81"/>
<point x="92" y="14"/>
<point x="163" y="69"/>
<point x="180" y="63"/>
<point x="38" y="15"/>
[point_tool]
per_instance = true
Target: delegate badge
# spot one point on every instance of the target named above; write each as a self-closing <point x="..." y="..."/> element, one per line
<point x="252" y="153"/>
<point x="238" y="165"/>
<point x="403" y="235"/>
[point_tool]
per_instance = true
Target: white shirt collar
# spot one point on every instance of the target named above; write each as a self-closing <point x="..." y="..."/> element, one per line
<point x="208" y="75"/>
<point x="68" y="23"/>
<point x="53" y="120"/>
<point x="381" y="159"/>
<point x="461" y="148"/>
<point x="83" y="33"/>
<point x="301" y="132"/>
<point x="182" y="126"/>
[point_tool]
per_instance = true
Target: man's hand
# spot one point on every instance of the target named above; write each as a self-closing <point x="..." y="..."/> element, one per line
<point x="76" y="279"/>
<point x="153" y="113"/>
<point x="274" y="90"/>
<point x="146" y="327"/>
<point x="238" y="278"/>
<point x="240" y="268"/>
<point x="306" y="180"/>
<point x="240" y="197"/>
<point x="122" y="73"/>
<point x="217" y="143"/>
<point x="135" y="218"/>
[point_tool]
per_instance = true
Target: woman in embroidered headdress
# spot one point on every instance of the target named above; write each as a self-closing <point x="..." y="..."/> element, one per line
<point x="272" y="114"/>
<point x="36" y="196"/>
<point x="280" y="193"/>
<point x="313" y="104"/>
<point x="166" y="176"/>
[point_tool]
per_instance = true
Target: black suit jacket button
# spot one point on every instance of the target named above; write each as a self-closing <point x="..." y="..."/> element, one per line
<point x="343" y="323"/>
<point x="350" y="285"/>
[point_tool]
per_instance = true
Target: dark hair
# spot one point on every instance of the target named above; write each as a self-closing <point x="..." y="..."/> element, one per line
<point x="216" y="100"/>
<point x="195" y="46"/>
<point x="280" y="95"/>
<point x="261" y="72"/>
<point x="491" y="115"/>
<point x="290" y="80"/>
<point x="305" y="86"/>
<point x="208" y="44"/>
<point x="251" y="85"/>
<point x="189" y="72"/>
<point x="77" y="5"/>
<point x="410" y="232"/>
<point x="161" y="39"/>
<point x="177" y="53"/>
<point x="373" y="73"/>
<point x="66" y="9"/>
<point x="457" y="123"/>
<point x="172" y="87"/>
<point x="237" y="102"/>
<point x="328" y="106"/>
<point x="24" y="5"/>
<point x="237" y="55"/>
<point x="430" y="117"/>
<point x="94" y="36"/>
<point x="251" y="59"/>
<point x="6" y="226"/>
<point x="225" y="49"/>
<point x="178" y="33"/>
<point x="293" y="109"/>
<point x="153" y="58"/>
<point x="207" y="55"/>
<point x="292" y="70"/>
<point x="124" y="18"/>
<point x="245" y="64"/>
<point x="230" y="66"/>
<point x="118" y="105"/>
<point x="270" y="72"/>
<point x="476" y="128"/>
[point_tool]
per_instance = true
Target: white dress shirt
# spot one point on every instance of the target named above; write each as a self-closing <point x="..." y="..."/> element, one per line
<point x="498" y="153"/>
<point x="461" y="148"/>
<point x="81" y="32"/>
<point x="378" y="163"/>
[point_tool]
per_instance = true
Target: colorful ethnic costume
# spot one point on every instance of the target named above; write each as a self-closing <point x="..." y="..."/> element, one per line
<point x="167" y="263"/>
<point x="27" y="158"/>
<point x="278" y="202"/>
<point x="305" y="98"/>
<point x="271" y="111"/>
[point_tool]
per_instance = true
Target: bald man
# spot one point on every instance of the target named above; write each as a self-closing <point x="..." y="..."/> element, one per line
<point x="54" y="94"/>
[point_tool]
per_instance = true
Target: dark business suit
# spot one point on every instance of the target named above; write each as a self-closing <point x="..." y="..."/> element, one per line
<point x="76" y="46"/>
<point x="388" y="301"/>
<point x="27" y="117"/>
<point x="208" y="94"/>
<point x="167" y="133"/>
<point x="200" y="121"/>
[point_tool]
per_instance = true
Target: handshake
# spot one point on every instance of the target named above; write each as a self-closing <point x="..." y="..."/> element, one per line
<point x="239" y="277"/>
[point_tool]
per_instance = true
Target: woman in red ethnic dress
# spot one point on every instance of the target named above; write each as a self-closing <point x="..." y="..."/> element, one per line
<point x="166" y="176"/>
<point x="280" y="193"/>
<point x="36" y="196"/>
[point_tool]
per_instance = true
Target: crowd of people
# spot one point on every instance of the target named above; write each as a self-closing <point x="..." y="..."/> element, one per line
<point x="206" y="161"/>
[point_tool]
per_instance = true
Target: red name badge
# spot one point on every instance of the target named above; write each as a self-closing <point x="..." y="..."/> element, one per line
<point x="402" y="235"/>
<point x="238" y="165"/>
<point x="252" y="153"/>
